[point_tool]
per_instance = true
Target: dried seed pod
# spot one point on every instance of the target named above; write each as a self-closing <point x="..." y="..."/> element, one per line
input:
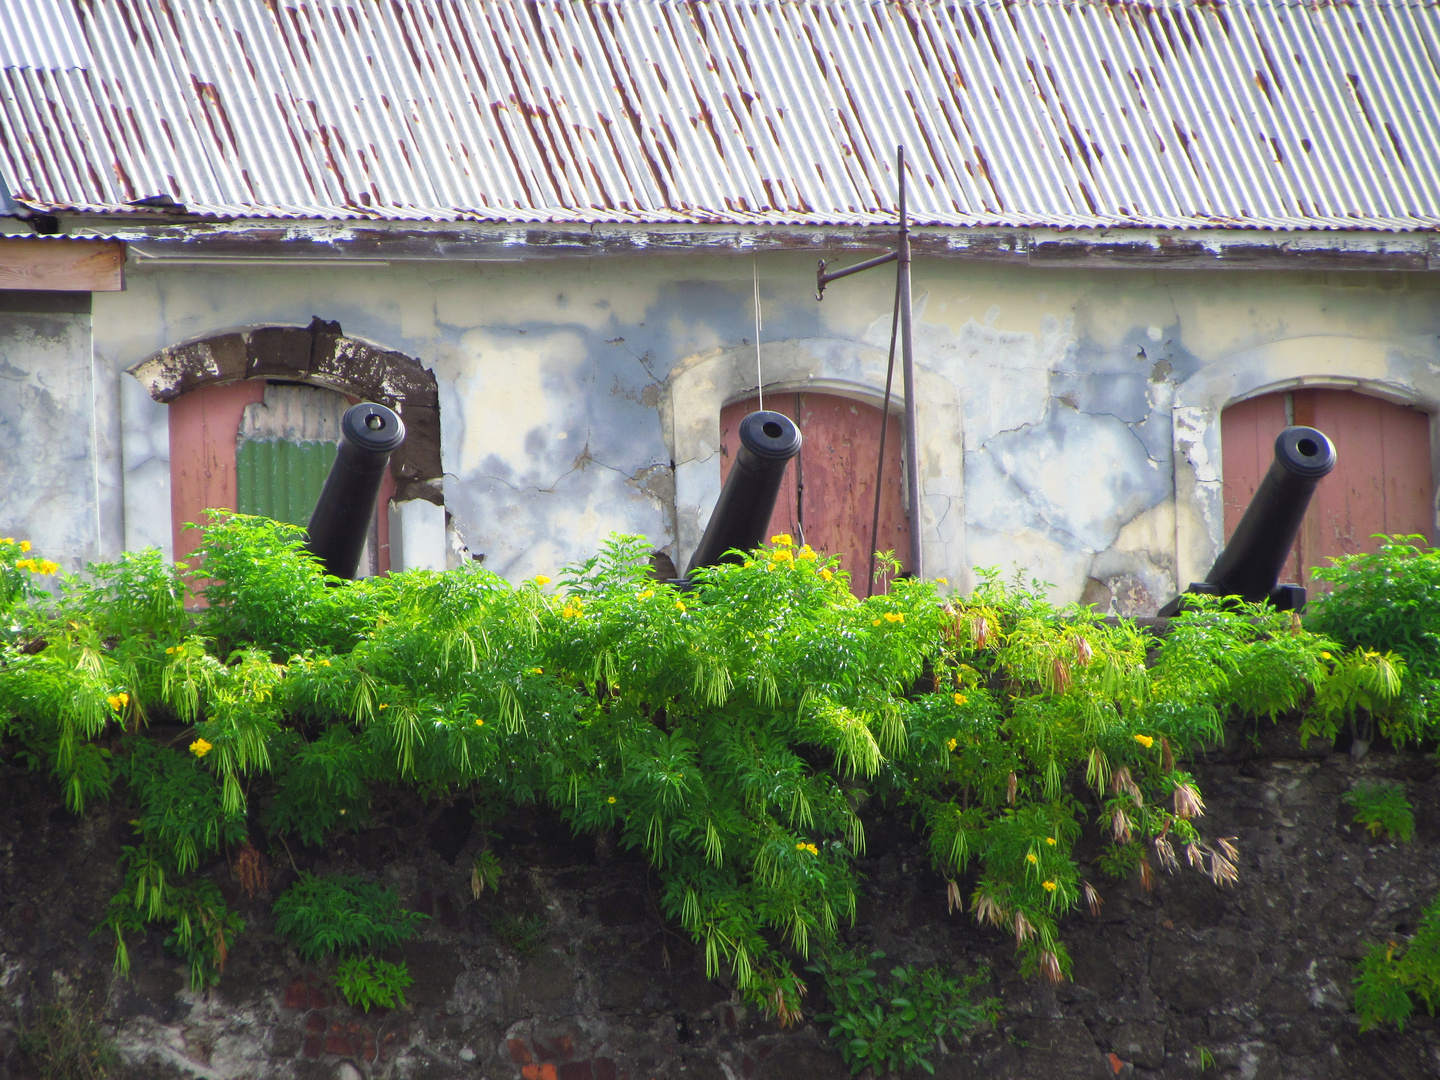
<point x="1012" y="786"/>
<point x="1195" y="855"/>
<point x="1147" y="875"/>
<point x="1050" y="969"/>
<point x="1060" y="679"/>
<point x="1188" y="803"/>
<point x="979" y="631"/>
<point x="1084" y="651"/>
<point x="1024" y="928"/>
<point x="1092" y="899"/>
<point x="953" y="902"/>
<point x="987" y="910"/>
<point x="1165" y="852"/>
<point x="1120" y="825"/>
<point x="1227" y="845"/>
<point x="1222" y="870"/>
<point x="1167" y="756"/>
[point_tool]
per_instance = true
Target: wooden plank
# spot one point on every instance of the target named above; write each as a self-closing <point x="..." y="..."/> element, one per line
<point x="829" y="499"/>
<point x="203" y="426"/>
<point x="62" y="265"/>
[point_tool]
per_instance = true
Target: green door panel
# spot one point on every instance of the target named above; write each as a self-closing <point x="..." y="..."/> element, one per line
<point x="281" y="479"/>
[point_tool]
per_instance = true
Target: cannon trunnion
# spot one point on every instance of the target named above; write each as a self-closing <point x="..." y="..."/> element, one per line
<point x="1249" y="567"/>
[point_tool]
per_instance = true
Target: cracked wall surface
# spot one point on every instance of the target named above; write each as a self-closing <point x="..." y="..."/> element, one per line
<point x="1070" y="420"/>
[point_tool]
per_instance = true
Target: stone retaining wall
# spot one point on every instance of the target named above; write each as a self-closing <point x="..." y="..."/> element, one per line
<point x="1256" y="977"/>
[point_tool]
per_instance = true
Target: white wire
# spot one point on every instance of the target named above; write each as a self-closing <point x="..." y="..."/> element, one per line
<point x="759" y="375"/>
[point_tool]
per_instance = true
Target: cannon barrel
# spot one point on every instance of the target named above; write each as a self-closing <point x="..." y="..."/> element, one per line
<point x="1249" y="567"/>
<point x="768" y="440"/>
<point x="369" y="434"/>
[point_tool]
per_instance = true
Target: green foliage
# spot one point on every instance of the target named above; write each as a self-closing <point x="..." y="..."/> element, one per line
<point x="524" y="934"/>
<point x="896" y="1025"/>
<point x="1390" y="974"/>
<point x="1386" y="602"/>
<point x="66" y="1043"/>
<point x="326" y="915"/>
<point x="367" y="982"/>
<point x="180" y="805"/>
<point x="200" y="926"/>
<point x="1383" y="809"/>
<point x="731" y="733"/>
<point x="485" y="873"/>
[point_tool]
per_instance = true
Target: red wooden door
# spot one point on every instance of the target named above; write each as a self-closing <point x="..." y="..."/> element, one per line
<point x="1382" y="481"/>
<point x="827" y="497"/>
<point x="204" y="431"/>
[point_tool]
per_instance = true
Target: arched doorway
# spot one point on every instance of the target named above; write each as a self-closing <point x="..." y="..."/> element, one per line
<point x="233" y="390"/>
<point x="261" y="447"/>
<point x="1382" y="481"/>
<point x="827" y="498"/>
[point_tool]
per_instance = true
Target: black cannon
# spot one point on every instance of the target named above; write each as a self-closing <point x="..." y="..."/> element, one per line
<point x="768" y="440"/>
<point x="369" y="434"/>
<point x="1250" y="565"/>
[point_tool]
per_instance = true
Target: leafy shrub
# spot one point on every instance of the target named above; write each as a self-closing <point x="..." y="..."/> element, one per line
<point x="525" y="934"/>
<point x="731" y="733"/>
<point x="1383" y="809"/>
<point x="1390" y="974"/>
<point x="1387" y="601"/>
<point x="896" y="1025"/>
<point x="200" y="924"/>
<point x="367" y="982"/>
<point x="325" y="915"/>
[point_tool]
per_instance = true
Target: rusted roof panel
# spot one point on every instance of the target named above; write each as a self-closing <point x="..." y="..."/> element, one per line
<point x="1168" y="114"/>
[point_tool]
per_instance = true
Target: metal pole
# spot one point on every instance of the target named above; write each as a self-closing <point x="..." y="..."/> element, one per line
<point x="907" y="358"/>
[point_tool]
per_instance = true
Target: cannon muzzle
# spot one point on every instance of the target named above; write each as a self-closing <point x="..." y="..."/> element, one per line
<point x="369" y="434"/>
<point x="1250" y="565"/>
<point x="768" y="440"/>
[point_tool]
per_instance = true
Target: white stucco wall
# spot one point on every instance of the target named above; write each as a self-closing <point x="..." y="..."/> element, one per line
<point x="1062" y="410"/>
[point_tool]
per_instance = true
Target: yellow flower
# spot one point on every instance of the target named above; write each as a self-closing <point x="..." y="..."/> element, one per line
<point x="894" y="616"/>
<point x="1145" y="741"/>
<point x="959" y="699"/>
<point x="1032" y="858"/>
<point x="45" y="566"/>
<point x="171" y="650"/>
<point x="24" y="564"/>
<point x="200" y="748"/>
<point x="113" y="701"/>
<point x="679" y="605"/>
<point x="611" y="800"/>
<point x="568" y="612"/>
<point x="952" y="744"/>
<point x="478" y="721"/>
<point x="800" y="847"/>
<point x="541" y="579"/>
<point x="645" y="595"/>
<point x="875" y="622"/>
<point x="942" y="581"/>
<point x="1048" y="886"/>
<point x="781" y="555"/>
<point x="324" y="662"/>
<point x="537" y="671"/>
<point x="24" y="546"/>
<point x="1050" y="840"/>
<point x="826" y="575"/>
<point x="806" y="553"/>
<point x="384" y="706"/>
<point x="1325" y="656"/>
<point x="124" y="697"/>
<point x="812" y="849"/>
<point x="782" y="540"/>
<point x="7" y="540"/>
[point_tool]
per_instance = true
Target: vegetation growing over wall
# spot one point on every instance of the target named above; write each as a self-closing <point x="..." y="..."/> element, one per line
<point x="734" y="733"/>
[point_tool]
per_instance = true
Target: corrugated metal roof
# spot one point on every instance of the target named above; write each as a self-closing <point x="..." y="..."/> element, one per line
<point x="1169" y="114"/>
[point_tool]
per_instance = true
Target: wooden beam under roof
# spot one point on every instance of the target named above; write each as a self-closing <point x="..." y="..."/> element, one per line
<point x="60" y="264"/>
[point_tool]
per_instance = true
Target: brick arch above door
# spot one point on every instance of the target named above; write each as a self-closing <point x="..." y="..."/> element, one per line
<point x="321" y="355"/>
